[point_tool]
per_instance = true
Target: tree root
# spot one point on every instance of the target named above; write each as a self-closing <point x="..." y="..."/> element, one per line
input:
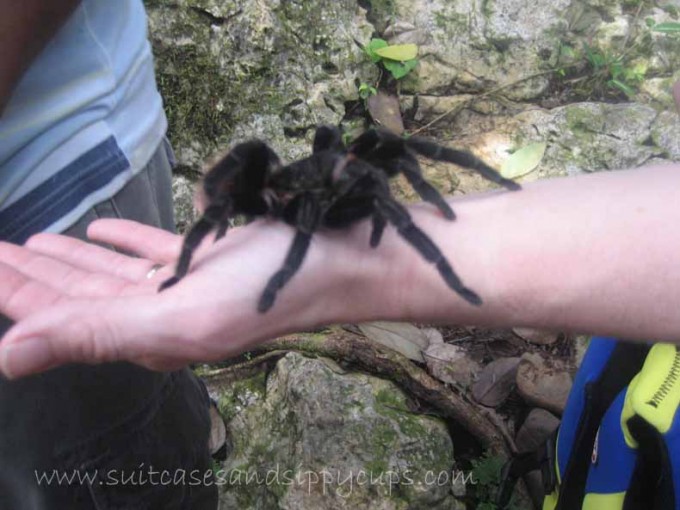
<point x="370" y="357"/>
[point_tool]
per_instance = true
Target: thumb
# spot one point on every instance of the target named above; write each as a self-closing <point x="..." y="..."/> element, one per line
<point x="88" y="332"/>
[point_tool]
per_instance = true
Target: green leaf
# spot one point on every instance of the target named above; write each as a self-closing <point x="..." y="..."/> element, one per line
<point x="629" y="91"/>
<point x="400" y="69"/>
<point x="399" y="52"/>
<point x="569" y="53"/>
<point x="523" y="161"/>
<point x="366" y="91"/>
<point x="616" y="70"/>
<point x="668" y="27"/>
<point x="373" y="45"/>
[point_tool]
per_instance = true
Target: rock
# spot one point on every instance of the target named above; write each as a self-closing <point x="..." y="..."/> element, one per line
<point x="580" y="137"/>
<point x="536" y="428"/>
<point x="322" y="437"/>
<point x="580" y="346"/>
<point x="223" y="64"/>
<point x="542" y="385"/>
<point x="183" y="196"/>
<point x="450" y="364"/>
<point x="666" y="134"/>
<point x="536" y="336"/>
<point x="235" y="70"/>
<point x="462" y="42"/>
<point x="496" y="382"/>
<point x="218" y="431"/>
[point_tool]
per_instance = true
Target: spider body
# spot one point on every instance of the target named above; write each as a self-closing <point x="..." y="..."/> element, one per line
<point x="334" y="187"/>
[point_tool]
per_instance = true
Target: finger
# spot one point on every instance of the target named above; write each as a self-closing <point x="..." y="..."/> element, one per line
<point x="149" y="242"/>
<point x="21" y="296"/>
<point x="64" y="277"/>
<point x="90" y="257"/>
<point x="131" y="329"/>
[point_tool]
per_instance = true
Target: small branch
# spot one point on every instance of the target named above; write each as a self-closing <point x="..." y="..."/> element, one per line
<point x="491" y="92"/>
<point x="220" y="377"/>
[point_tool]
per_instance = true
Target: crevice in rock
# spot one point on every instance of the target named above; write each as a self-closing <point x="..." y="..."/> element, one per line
<point x="214" y="20"/>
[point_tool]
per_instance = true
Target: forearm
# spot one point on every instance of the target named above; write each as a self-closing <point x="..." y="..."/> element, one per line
<point x="594" y="254"/>
<point x="26" y="26"/>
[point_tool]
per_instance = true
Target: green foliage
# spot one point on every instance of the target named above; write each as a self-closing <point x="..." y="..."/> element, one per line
<point x="670" y="27"/>
<point x="614" y="71"/>
<point x="399" y="60"/>
<point x="486" y="471"/>
<point x="606" y="72"/>
<point x="366" y="91"/>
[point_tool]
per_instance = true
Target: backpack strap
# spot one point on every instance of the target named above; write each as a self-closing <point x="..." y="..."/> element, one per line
<point x="612" y="462"/>
<point x="606" y="370"/>
<point x="652" y="426"/>
<point x="574" y="451"/>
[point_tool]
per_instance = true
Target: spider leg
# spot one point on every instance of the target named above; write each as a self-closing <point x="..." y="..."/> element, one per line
<point x="401" y="219"/>
<point x="198" y="232"/>
<point x="307" y="217"/>
<point x="379" y="223"/>
<point x="365" y="142"/>
<point x="222" y="226"/>
<point x="327" y="138"/>
<point x="465" y="159"/>
<point x="411" y="170"/>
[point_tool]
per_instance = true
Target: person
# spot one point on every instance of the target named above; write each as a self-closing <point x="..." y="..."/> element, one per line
<point x="82" y="137"/>
<point x="592" y="254"/>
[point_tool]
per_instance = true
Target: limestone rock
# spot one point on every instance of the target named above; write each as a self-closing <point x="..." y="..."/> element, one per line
<point x="321" y="438"/>
<point x="543" y="385"/>
<point x="223" y="64"/>
<point x="183" y="196"/>
<point x="536" y="336"/>
<point x="537" y="427"/>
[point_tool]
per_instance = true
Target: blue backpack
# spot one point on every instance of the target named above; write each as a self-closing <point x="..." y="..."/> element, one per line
<point x="618" y="445"/>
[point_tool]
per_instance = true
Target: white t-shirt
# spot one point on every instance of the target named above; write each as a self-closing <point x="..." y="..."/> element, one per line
<point x="82" y="121"/>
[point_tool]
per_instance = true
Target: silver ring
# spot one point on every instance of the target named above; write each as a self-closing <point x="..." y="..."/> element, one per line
<point x="154" y="269"/>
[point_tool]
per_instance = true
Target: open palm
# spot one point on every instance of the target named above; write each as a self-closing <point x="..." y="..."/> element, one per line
<point x="78" y="302"/>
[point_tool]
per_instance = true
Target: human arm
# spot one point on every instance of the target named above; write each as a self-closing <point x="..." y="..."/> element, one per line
<point x="593" y="254"/>
<point x="26" y="27"/>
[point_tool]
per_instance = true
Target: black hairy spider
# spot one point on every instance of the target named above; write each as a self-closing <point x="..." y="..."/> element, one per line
<point x="333" y="188"/>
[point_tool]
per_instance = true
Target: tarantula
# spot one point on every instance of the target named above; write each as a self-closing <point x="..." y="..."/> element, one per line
<point x="333" y="188"/>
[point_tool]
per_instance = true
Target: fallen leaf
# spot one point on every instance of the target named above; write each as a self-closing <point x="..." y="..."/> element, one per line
<point x="433" y="336"/>
<point x="496" y="382"/>
<point x="385" y="111"/>
<point x="450" y="364"/>
<point x="399" y="52"/>
<point x="523" y="161"/>
<point x="402" y="337"/>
